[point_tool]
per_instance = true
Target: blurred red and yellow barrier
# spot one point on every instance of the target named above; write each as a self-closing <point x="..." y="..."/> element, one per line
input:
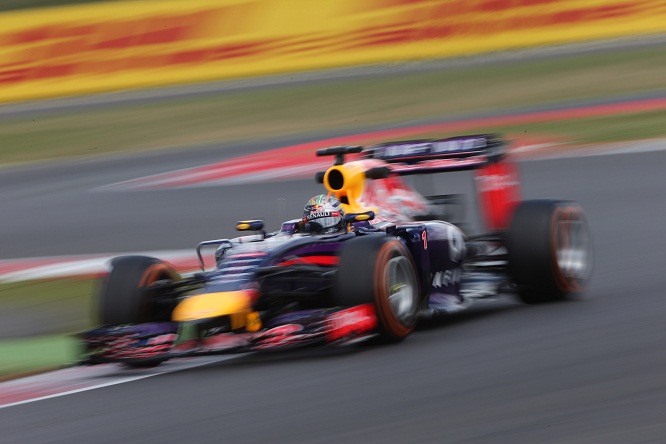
<point x="113" y="46"/>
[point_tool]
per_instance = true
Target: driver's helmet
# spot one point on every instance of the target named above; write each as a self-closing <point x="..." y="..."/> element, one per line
<point x="323" y="214"/>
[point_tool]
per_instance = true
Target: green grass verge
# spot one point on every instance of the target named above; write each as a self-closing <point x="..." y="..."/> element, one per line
<point x="30" y="355"/>
<point x="45" y="307"/>
<point x="331" y="105"/>
<point x="37" y="320"/>
<point x="642" y="125"/>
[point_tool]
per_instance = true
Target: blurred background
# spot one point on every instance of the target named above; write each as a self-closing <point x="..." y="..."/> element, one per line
<point x="149" y="126"/>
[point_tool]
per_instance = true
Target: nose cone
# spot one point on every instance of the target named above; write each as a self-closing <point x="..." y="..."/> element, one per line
<point x="210" y="305"/>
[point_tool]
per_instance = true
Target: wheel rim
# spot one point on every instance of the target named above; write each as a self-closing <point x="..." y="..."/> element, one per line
<point x="573" y="247"/>
<point x="402" y="289"/>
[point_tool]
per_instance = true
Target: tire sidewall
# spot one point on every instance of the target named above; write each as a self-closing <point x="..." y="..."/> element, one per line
<point x="123" y="296"/>
<point x="532" y="246"/>
<point x="362" y="279"/>
<point x="389" y="321"/>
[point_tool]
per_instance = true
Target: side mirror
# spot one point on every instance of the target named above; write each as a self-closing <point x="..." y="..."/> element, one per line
<point x="250" y="225"/>
<point x="359" y="217"/>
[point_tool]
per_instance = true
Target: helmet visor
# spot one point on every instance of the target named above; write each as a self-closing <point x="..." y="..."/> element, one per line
<point x="324" y="223"/>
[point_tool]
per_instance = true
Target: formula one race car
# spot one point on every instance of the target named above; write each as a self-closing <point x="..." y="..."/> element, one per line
<point x="388" y="260"/>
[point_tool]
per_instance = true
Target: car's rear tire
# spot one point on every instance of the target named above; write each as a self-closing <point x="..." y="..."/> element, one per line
<point x="550" y="250"/>
<point x="124" y="297"/>
<point x="380" y="270"/>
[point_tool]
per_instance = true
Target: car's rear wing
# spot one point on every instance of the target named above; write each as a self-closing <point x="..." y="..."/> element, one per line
<point x="439" y="155"/>
<point x="496" y="178"/>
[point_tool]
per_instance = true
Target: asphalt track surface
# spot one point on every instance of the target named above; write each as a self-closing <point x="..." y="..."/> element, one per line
<point x="585" y="371"/>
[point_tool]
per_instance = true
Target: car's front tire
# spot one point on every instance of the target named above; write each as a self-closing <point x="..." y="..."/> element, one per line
<point x="124" y="297"/>
<point x="380" y="270"/>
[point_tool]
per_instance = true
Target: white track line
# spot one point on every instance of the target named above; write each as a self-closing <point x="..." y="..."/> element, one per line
<point x="172" y="368"/>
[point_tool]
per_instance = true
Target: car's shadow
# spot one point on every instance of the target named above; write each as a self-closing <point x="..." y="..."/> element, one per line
<point x="478" y="312"/>
<point x="318" y="352"/>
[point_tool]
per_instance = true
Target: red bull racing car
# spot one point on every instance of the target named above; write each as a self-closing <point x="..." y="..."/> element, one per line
<point x="369" y="258"/>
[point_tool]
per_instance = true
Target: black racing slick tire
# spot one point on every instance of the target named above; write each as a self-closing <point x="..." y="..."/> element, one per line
<point x="124" y="296"/>
<point x="379" y="270"/>
<point x="549" y="249"/>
